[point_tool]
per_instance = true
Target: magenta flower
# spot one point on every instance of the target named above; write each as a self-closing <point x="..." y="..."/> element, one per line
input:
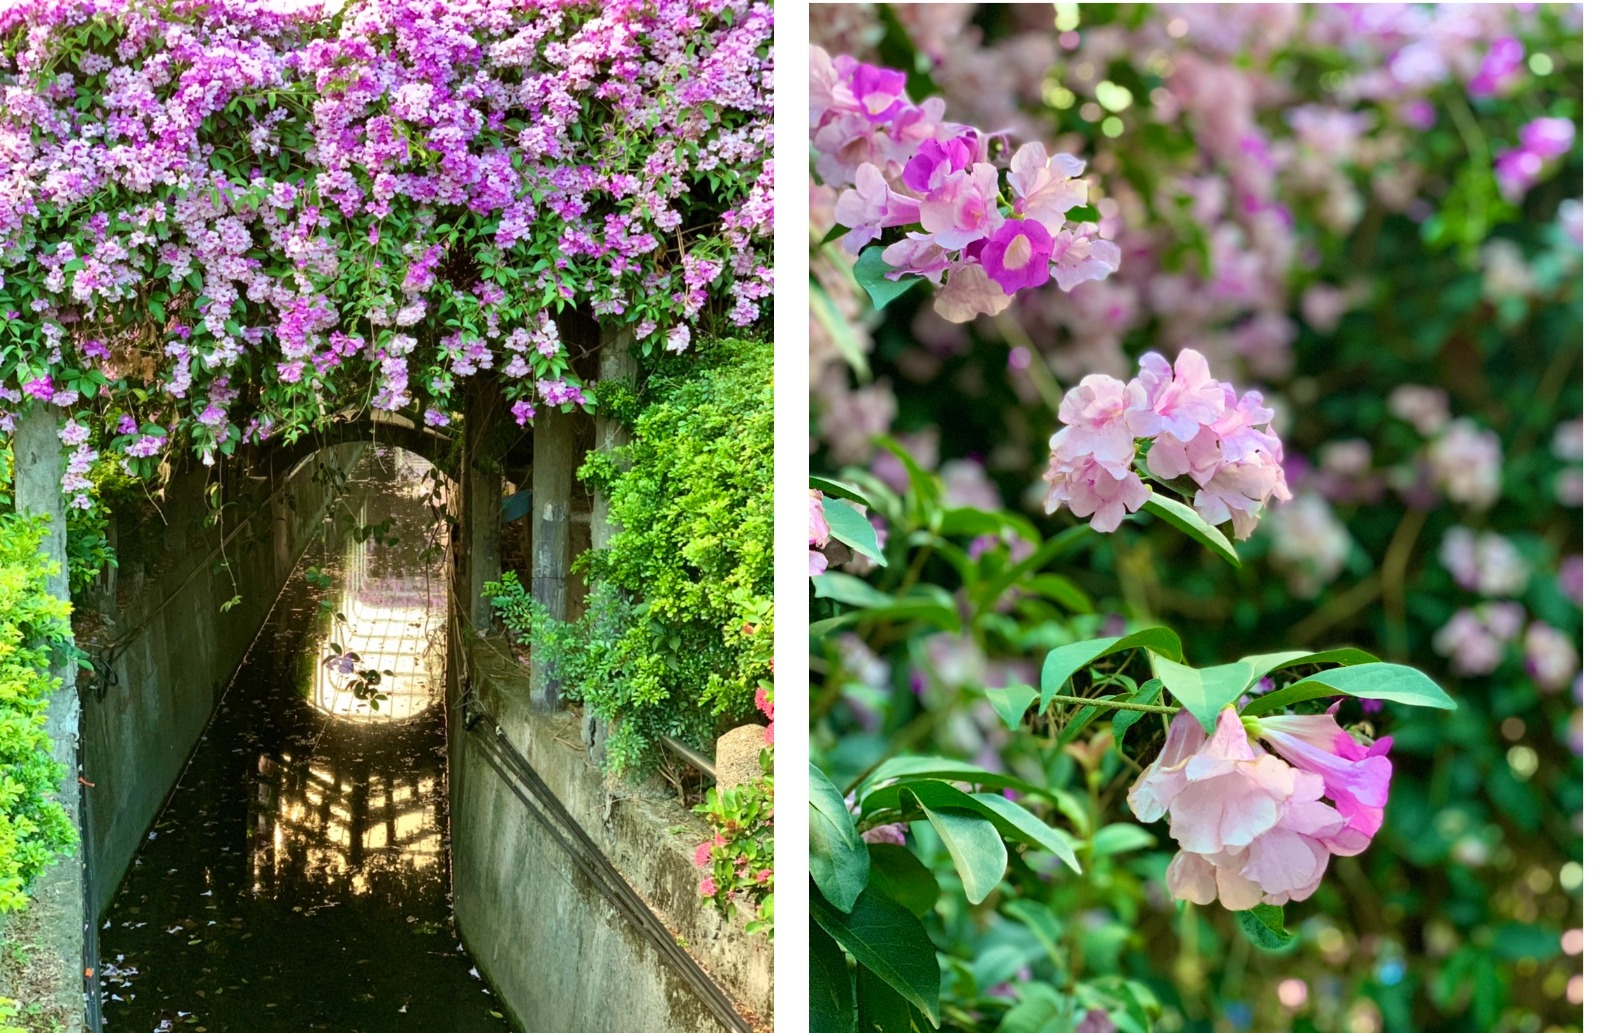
<point x="1018" y="255"/>
<point x="40" y="388"/>
<point x="937" y="159"/>
<point x="1548" y="137"/>
<point x="1355" y="776"/>
<point x="879" y="91"/>
<point x="1501" y="63"/>
<point x="522" y="409"/>
<point x="702" y="854"/>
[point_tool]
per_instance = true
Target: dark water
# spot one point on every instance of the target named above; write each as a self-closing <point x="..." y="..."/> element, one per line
<point x="299" y="878"/>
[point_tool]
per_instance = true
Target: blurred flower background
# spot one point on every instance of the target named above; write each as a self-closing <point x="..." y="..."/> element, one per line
<point x="1373" y="214"/>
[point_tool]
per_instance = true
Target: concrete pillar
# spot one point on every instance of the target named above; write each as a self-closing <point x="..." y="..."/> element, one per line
<point x="616" y="364"/>
<point x="480" y="482"/>
<point x="552" y="504"/>
<point x="55" y="919"/>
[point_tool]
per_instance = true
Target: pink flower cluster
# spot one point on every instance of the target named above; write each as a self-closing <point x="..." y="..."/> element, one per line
<point x="1181" y="422"/>
<point x="1252" y="826"/>
<point x="1540" y="143"/>
<point x="904" y="167"/>
<point x="818" y="533"/>
<point x="397" y="163"/>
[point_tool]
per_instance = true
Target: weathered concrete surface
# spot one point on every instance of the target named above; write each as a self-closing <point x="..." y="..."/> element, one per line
<point x="479" y="488"/>
<point x="552" y="505"/>
<point x="559" y="956"/>
<point x="175" y="650"/>
<point x="44" y="946"/>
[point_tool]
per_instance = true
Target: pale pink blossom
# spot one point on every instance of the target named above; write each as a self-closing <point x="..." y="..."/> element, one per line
<point x="1044" y="188"/>
<point x="1080" y="254"/>
<point x="1090" y="488"/>
<point x="819" y="533"/>
<point x="1097" y="418"/>
<point x="969" y="293"/>
<point x="1182" y="396"/>
<point x="1355" y="776"/>
<point x="870" y="207"/>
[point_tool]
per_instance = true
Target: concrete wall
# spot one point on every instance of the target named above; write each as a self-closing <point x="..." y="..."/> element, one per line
<point x="176" y="650"/>
<point x="558" y="954"/>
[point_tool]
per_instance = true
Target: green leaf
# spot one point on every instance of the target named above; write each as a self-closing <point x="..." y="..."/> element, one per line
<point x="941" y="768"/>
<point x="1126" y="719"/>
<point x="871" y="272"/>
<point x="158" y="311"/>
<point x="1039" y="1009"/>
<point x="896" y="873"/>
<point x="1204" y="691"/>
<point x="1023" y="824"/>
<point x="1042" y="920"/>
<point x="833" y="1005"/>
<point x="1013" y="820"/>
<point x="1264" y="664"/>
<point x="975" y="846"/>
<point x="1393" y="682"/>
<point x="850" y="527"/>
<point x="848" y="589"/>
<point x="1119" y="838"/>
<point x="839" y="858"/>
<point x="883" y="1010"/>
<point x="1188" y="521"/>
<point x="1263" y="925"/>
<point x="1063" y="662"/>
<point x="1059" y="590"/>
<point x="838" y="489"/>
<point x="1012" y="703"/>
<point x="890" y="941"/>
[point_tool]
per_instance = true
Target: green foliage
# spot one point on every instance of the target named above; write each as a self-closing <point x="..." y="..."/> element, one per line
<point x="33" y="827"/>
<point x="692" y="498"/>
<point x="740" y="852"/>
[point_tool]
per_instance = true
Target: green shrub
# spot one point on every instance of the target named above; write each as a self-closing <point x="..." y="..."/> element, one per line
<point x="678" y="630"/>
<point x="33" y="827"/>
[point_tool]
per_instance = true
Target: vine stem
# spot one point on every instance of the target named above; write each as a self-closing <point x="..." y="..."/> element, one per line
<point x="1117" y="704"/>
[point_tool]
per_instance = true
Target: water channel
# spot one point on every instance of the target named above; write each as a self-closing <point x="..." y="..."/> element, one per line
<point x="299" y="877"/>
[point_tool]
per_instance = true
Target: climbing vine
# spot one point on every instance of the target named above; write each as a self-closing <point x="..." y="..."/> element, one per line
<point x="223" y="223"/>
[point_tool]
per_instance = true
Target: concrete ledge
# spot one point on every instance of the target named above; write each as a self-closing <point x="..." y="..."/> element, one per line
<point x="647" y="835"/>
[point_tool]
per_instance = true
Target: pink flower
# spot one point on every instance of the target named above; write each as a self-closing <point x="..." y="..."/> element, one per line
<point x="1355" y="777"/>
<point x="935" y="160"/>
<point x="880" y="92"/>
<point x="1097" y="417"/>
<point x="871" y="207"/>
<point x="702" y="854"/>
<point x="1080" y="255"/>
<point x="964" y="208"/>
<point x="708" y="887"/>
<point x="39" y="388"/>
<point x="1044" y="188"/>
<point x="1251" y="828"/>
<point x="1089" y="487"/>
<point x="916" y="255"/>
<point x="819" y="533"/>
<point x="1182" y="398"/>
<point x="1017" y="255"/>
<point x="969" y="293"/>
<point x="894" y="832"/>
<point x="1547" y="137"/>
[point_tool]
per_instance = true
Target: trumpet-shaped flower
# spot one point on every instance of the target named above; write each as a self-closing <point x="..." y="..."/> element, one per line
<point x="1017" y="255"/>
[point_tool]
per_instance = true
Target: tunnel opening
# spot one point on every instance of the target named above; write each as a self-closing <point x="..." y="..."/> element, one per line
<point x="299" y="875"/>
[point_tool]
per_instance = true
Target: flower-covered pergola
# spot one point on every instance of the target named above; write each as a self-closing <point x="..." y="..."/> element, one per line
<point x="224" y="221"/>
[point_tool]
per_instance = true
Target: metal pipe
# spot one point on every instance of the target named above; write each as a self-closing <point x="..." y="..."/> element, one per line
<point x="706" y="767"/>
